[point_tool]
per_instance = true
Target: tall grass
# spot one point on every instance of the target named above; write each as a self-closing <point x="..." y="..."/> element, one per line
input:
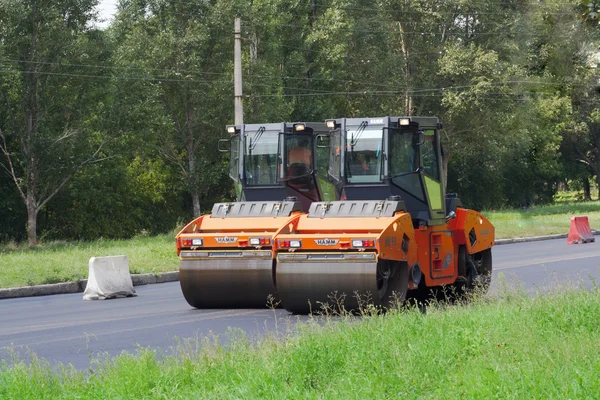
<point x="513" y="347"/>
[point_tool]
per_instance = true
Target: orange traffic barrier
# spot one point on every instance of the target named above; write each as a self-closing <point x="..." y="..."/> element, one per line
<point x="580" y="231"/>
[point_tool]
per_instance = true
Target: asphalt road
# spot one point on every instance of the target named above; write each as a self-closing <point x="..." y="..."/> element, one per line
<point x="65" y="329"/>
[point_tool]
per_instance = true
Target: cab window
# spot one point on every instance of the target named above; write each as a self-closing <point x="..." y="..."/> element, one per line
<point x="429" y="156"/>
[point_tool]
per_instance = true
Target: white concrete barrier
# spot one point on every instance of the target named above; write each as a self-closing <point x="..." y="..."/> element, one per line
<point x="108" y="278"/>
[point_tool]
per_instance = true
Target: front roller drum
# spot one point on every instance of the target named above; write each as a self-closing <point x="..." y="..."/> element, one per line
<point x="227" y="283"/>
<point x="311" y="286"/>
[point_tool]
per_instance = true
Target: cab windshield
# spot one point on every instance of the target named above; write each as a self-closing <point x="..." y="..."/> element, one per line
<point x="403" y="152"/>
<point x="260" y="157"/>
<point x="404" y="161"/>
<point x="299" y="164"/>
<point x="298" y="155"/>
<point x="363" y="154"/>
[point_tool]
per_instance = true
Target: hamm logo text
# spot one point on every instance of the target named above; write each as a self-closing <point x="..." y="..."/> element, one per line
<point x="226" y="239"/>
<point x="327" y="242"/>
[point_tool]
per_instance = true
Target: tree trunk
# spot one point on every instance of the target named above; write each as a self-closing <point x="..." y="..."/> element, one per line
<point x="32" y="213"/>
<point x="445" y="160"/>
<point x="587" y="196"/>
<point x="196" y="202"/>
<point x="313" y="12"/>
<point x="408" y="102"/>
<point x="193" y="185"/>
<point x="595" y="165"/>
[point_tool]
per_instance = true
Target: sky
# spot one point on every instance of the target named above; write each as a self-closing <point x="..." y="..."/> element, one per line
<point x="106" y="10"/>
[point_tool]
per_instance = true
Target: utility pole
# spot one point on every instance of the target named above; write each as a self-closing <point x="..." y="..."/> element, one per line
<point x="237" y="72"/>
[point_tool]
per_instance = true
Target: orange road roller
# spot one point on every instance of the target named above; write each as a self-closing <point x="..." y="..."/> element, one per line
<point x="394" y="233"/>
<point x="226" y="258"/>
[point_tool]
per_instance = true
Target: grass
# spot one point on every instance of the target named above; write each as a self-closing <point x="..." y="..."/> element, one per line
<point x="54" y="262"/>
<point x="542" y="220"/>
<point x="513" y="347"/>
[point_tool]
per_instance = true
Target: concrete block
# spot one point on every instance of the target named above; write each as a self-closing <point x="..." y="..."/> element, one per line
<point x="108" y="278"/>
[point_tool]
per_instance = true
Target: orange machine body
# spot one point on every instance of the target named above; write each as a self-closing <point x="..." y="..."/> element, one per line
<point x="384" y="235"/>
<point x="433" y="248"/>
<point x="439" y="245"/>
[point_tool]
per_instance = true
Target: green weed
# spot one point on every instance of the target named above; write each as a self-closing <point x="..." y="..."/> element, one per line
<point x="509" y="347"/>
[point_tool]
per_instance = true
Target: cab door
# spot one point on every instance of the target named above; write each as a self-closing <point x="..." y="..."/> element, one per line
<point x="443" y="264"/>
<point x="432" y="176"/>
<point x="324" y="182"/>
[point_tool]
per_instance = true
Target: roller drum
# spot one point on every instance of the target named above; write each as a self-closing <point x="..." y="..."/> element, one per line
<point x="304" y="286"/>
<point x="227" y="283"/>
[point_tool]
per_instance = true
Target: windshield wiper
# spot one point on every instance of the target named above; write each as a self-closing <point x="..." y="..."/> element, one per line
<point x="254" y="139"/>
<point x="403" y="174"/>
<point x="358" y="133"/>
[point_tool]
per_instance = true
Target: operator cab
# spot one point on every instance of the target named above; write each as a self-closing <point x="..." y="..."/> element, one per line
<point x="269" y="162"/>
<point x="375" y="158"/>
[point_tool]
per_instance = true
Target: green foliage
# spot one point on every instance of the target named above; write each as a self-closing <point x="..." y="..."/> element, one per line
<point x="143" y="197"/>
<point x="46" y="127"/>
<point x="12" y="216"/>
<point x="182" y="47"/>
<point x="514" y="83"/>
<point x="590" y="12"/>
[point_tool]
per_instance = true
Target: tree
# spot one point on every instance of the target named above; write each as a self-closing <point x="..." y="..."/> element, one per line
<point x="567" y="53"/>
<point x="183" y="51"/>
<point x="47" y="133"/>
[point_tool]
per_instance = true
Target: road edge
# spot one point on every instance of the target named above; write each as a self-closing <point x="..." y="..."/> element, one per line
<point x="173" y="276"/>
<point x="79" y="286"/>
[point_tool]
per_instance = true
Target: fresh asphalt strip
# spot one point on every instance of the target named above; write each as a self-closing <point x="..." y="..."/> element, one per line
<point x="147" y="279"/>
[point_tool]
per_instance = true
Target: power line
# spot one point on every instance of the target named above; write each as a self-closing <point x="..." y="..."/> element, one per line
<point x="103" y="66"/>
<point x="152" y="79"/>
<point x="133" y="78"/>
<point x="420" y="92"/>
<point x="282" y="77"/>
<point x="313" y="91"/>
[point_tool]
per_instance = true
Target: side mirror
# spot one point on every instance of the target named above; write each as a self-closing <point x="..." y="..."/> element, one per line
<point x="323" y="141"/>
<point x="224" y="145"/>
<point x="451" y="215"/>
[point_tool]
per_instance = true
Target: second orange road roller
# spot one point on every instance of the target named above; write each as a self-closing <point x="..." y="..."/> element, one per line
<point x="226" y="258"/>
<point x="395" y="232"/>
